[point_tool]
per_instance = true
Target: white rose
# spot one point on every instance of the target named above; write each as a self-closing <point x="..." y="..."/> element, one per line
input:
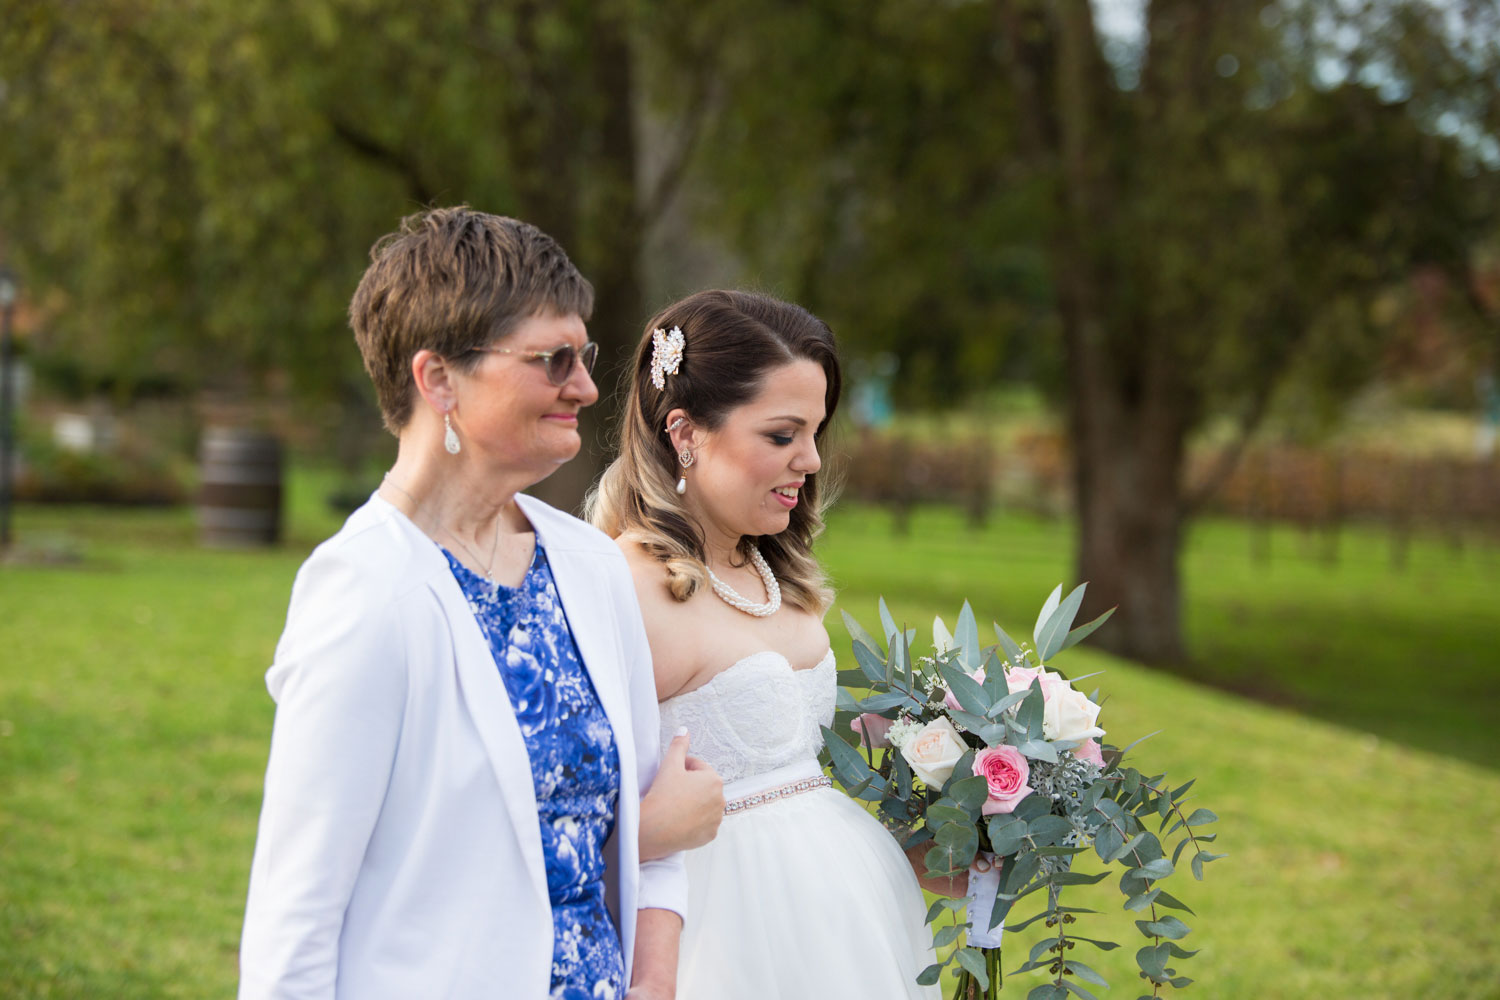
<point x="933" y="751"/>
<point x="1068" y="715"/>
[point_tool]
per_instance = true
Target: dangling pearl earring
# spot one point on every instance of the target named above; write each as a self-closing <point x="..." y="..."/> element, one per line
<point x="686" y="459"/>
<point x="450" y="438"/>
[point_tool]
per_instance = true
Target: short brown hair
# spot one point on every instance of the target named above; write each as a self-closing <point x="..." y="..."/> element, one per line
<point x="451" y="280"/>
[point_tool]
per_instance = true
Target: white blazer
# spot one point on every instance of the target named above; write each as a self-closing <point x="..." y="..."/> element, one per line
<point x="399" y="852"/>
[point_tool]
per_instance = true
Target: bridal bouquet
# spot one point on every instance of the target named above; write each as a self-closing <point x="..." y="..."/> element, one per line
<point x="998" y="764"/>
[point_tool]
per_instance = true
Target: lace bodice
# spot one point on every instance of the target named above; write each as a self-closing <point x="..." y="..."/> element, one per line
<point x="755" y="716"/>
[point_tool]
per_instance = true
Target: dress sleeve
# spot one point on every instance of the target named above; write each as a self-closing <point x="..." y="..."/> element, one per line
<point x="339" y="682"/>
<point x="663" y="880"/>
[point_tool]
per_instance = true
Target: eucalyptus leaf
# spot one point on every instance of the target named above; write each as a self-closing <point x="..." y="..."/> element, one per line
<point x="930" y="975"/>
<point x="970" y="792"/>
<point x="1167" y="927"/>
<point x="1142" y="901"/>
<point x="1012" y="650"/>
<point x="883" y="701"/>
<point x="970" y="695"/>
<point x="1054" y="632"/>
<point x="1153" y="960"/>
<point x="1032" y="710"/>
<point x="967" y="636"/>
<point x="995" y="685"/>
<point x="1031" y="807"/>
<point x="1158" y="868"/>
<point x="1202" y="817"/>
<point x="1051" y="604"/>
<point x="1007" y="701"/>
<point x="846" y="702"/>
<point x="859" y="636"/>
<point x="1101" y="945"/>
<point x="888" y="623"/>
<point x="901" y="771"/>
<point x="921" y="836"/>
<point x="1039" y="750"/>
<point x="1085" y="973"/>
<point x="1045" y="946"/>
<point x="943" y="904"/>
<point x="1006" y="834"/>
<point x="847" y="761"/>
<point x="947" y="935"/>
<point x="1047" y="991"/>
<point x="938" y="815"/>
<point x="999" y="911"/>
<point x="1137" y="742"/>
<point x="871" y="665"/>
<point x="1085" y="630"/>
<point x="942" y="639"/>
<point x="1168" y="900"/>
<point x="972" y="959"/>
<point x="1021" y="871"/>
<point x="1048" y="830"/>
<point x="1079" y="878"/>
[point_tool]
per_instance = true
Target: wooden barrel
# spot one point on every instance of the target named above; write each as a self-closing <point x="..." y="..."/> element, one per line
<point x="239" y="497"/>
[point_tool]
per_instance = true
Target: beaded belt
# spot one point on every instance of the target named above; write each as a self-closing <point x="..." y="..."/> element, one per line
<point x="779" y="792"/>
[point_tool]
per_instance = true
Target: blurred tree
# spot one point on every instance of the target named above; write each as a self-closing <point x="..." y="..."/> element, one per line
<point x="195" y="178"/>
<point x="1200" y="212"/>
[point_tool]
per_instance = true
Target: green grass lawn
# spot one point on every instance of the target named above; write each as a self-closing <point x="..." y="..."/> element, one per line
<point x="134" y="725"/>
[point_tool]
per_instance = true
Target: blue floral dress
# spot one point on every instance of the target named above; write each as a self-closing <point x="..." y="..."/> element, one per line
<point x="574" y="768"/>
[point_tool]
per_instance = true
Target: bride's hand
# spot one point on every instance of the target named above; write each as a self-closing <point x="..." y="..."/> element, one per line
<point x="684" y="806"/>
<point x="956" y="886"/>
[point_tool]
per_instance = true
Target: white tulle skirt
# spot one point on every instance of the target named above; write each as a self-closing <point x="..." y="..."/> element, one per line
<point x="804" y="898"/>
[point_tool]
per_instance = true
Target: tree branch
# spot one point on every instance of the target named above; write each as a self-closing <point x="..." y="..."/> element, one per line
<point x="382" y="155"/>
<point x="669" y="180"/>
<point x="1229" y="457"/>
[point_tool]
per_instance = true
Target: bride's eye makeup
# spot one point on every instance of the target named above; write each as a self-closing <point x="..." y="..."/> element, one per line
<point x="781" y="440"/>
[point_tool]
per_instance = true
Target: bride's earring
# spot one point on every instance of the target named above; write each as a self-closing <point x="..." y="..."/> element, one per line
<point x="685" y="459"/>
<point x="450" y="438"/>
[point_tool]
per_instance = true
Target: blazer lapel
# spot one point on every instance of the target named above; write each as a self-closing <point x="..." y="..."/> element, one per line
<point x="494" y="718"/>
<point x="588" y="605"/>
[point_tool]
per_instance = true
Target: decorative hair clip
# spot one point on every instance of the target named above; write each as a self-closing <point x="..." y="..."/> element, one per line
<point x="666" y="354"/>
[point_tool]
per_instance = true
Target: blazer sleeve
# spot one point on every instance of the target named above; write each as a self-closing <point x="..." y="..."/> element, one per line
<point x="339" y="682"/>
<point x="664" y="882"/>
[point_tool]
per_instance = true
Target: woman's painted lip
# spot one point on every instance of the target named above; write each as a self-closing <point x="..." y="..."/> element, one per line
<point x="562" y="418"/>
<point x="786" y="501"/>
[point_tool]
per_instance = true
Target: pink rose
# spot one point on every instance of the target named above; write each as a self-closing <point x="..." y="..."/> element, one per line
<point x="1090" y="751"/>
<point x="952" y="702"/>
<point x="872" y="727"/>
<point x="1005" y="770"/>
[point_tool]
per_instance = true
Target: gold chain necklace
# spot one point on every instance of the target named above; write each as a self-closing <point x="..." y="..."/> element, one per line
<point x="487" y="566"/>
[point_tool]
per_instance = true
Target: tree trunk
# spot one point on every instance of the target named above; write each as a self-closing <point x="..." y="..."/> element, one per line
<point x="609" y="254"/>
<point x="1129" y="403"/>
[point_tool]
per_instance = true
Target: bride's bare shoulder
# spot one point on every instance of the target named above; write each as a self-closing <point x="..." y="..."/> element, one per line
<point x="647" y="571"/>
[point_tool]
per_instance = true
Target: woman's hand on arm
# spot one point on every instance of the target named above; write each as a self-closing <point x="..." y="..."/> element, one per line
<point x="654" y="969"/>
<point x="684" y="806"/>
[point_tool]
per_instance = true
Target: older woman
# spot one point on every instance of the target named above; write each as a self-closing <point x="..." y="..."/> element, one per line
<point x="466" y="718"/>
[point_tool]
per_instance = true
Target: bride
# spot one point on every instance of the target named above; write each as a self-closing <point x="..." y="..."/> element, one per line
<point x="714" y="500"/>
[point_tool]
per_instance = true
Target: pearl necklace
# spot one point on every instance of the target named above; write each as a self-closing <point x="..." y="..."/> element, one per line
<point x="734" y="600"/>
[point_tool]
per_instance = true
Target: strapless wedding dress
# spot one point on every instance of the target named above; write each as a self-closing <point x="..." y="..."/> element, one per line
<point x="803" y="894"/>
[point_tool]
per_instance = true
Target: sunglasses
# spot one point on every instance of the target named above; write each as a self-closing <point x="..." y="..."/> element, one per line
<point x="560" y="360"/>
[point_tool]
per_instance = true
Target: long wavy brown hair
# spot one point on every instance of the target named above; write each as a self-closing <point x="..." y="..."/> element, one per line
<point x="733" y="341"/>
